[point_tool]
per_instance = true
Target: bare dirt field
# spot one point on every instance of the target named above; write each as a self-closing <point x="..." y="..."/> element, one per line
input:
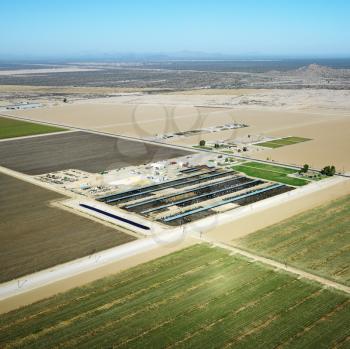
<point x="323" y="116"/>
<point x="330" y="145"/>
<point x="36" y="236"/>
<point x="79" y="150"/>
<point x="127" y="119"/>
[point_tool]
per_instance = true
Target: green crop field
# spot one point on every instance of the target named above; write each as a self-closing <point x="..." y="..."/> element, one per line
<point x="317" y="241"/>
<point x="277" y="143"/>
<point x="202" y="147"/>
<point x="270" y="173"/>
<point x="200" y="297"/>
<point x="10" y="128"/>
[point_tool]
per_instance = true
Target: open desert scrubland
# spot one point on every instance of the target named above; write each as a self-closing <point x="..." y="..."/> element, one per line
<point x="288" y="99"/>
<point x="198" y="297"/>
<point x="329" y="132"/>
<point x="320" y="100"/>
<point x="55" y="94"/>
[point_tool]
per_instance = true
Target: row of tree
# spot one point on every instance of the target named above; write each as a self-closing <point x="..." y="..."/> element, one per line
<point x="327" y="170"/>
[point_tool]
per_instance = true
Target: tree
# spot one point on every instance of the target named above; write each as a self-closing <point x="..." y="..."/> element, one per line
<point x="202" y="143"/>
<point x="328" y="171"/>
<point x="304" y="169"/>
<point x="216" y="145"/>
<point x="245" y="148"/>
<point x="65" y="100"/>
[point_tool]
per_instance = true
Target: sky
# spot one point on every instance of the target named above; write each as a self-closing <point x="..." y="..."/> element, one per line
<point x="59" y="28"/>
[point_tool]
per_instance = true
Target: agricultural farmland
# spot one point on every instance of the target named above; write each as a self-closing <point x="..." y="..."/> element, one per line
<point x="79" y="150"/>
<point x="36" y="236"/>
<point x="10" y="128"/>
<point x="270" y="173"/>
<point x="199" y="297"/>
<point x="277" y="143"/>
<point x="317" y="241"/>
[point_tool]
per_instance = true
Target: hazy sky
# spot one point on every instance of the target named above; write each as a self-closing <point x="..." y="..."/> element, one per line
<point x="31" y="28"/>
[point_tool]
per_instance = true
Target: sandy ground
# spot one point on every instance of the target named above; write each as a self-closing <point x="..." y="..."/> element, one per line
<point x="330" y="145"/>
<point x="257" y="220"/>
<point x="84" y="278"/>
<point x="327" y="126"/>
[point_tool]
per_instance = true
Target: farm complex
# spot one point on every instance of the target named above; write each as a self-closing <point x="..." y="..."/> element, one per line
<point x="130" y="226"/>
<point x="175" y="174"/>
<point x="199" y="194"/>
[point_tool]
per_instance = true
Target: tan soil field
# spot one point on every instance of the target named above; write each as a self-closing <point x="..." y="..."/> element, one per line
<point x="328" y="128"/>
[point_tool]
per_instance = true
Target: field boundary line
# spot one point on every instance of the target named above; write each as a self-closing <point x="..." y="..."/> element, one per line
<point x="102" y="133"/>
<point x="88" y="263"/>
<point x="174" y="146"/>
<point x="278" y="265"/>
<point x="37" y="135"/>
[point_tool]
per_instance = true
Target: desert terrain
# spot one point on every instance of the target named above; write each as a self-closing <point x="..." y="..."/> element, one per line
<point x="175" y="174"/>
<point x="221" y="282"/>
<point x="321" y="115"/>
